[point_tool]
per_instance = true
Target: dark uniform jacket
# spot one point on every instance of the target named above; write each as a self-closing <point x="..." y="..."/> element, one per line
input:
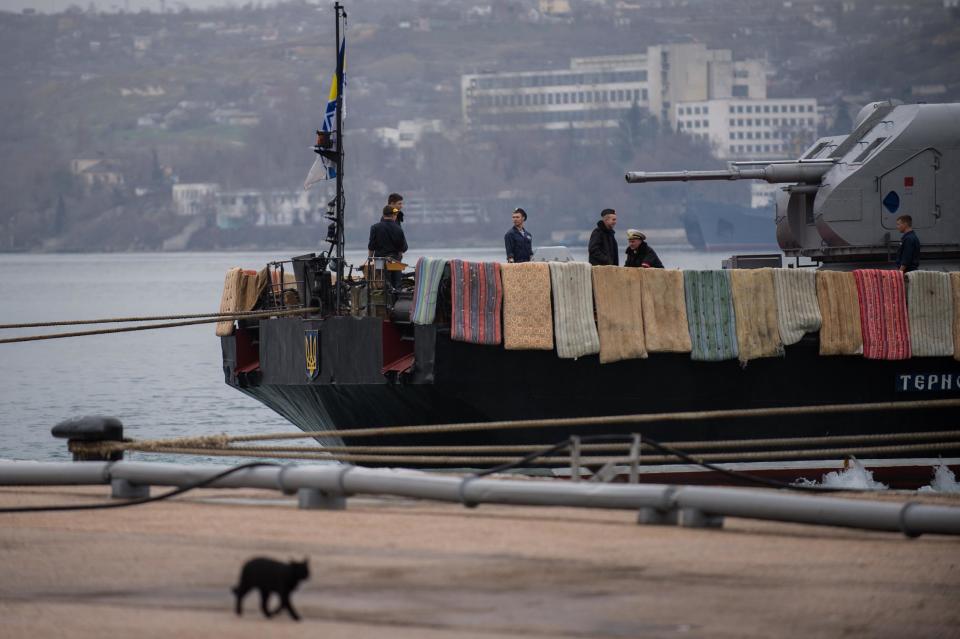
<point x="643" y="255"/>
<point x="909" y="253"/>
<point x="603" y="246"/>
<point x="519" y="244"/>
<point x="387" y="239"/>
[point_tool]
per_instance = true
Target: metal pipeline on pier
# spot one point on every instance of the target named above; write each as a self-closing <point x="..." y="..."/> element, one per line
<point x="909" y="518"/>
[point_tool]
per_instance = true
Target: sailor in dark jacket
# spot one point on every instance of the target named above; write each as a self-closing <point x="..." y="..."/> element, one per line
<point x="518" y="241"/>
<point x="387" y="240"/>
<point x="603" y="241"/>
<point x="639" y="252"/>
<point x="908" y="257"/>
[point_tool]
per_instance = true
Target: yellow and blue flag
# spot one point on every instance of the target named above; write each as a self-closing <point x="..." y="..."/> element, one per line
<point x="323" y="168"/>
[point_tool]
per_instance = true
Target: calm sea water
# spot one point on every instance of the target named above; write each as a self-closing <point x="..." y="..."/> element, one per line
<point x="162" y="383"/>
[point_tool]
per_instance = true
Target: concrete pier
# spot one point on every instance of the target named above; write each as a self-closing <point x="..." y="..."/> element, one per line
<point x="403" y="568"/>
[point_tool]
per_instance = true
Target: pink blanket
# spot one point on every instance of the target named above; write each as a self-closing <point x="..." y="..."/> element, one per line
<point x="883" y="314"/>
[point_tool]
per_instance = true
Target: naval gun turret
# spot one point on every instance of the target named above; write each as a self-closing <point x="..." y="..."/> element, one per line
<point x="840" y="200"/>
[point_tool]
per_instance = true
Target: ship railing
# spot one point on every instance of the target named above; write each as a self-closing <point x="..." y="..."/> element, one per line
<point x="282" y="294"/>
<point x="366" y="288"/>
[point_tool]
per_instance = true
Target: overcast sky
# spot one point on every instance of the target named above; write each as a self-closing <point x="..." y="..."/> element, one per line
<point x="53" y="6"/>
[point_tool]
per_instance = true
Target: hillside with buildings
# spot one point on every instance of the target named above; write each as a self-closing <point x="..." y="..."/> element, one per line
<point x="186" y="129"/>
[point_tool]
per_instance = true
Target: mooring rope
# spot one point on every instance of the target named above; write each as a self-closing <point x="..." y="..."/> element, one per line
<point x="637" y="418"/>
<point x="220" y="445"/>
<point x="115" y="320"/>
<point x="687" y="446"/>
<point x="447" y="460"/>
<point x="148" y="327"/>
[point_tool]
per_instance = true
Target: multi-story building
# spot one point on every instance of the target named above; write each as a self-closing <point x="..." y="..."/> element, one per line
<point x="739" y="128"/>
<point x="248" y="207"/>
<point x="407" y="133"/>
<point x="195" y="198"/>
<point x="444" y="211"/>
<point x="598" y="91"/>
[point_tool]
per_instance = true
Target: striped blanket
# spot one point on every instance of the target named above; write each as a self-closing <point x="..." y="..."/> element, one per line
<point x="930" y="306"/>
<point x="573" y="323"/>
<point x="955" y="289"/>
<point x="883" y="314"/>
<point x="527" y="318"/>
<point x="797" y="310"/>
<point x="617" y="294"/>
<point x="664" y="311"/>
<point x="710" y="315"/>
<point x="476" y="298"/>
<point x="840" y="310"/>
<point x="426" y="284"/>
<point x="755" y="307"/>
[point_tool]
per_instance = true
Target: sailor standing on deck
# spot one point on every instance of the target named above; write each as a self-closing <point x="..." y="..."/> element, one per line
<point x="639" y="252"/>
<point x="908" y="257"/>
<point x="603" y="241"/>
<point x="387" y="240"/>
<point x="518" y="241"/>
<point x="396" y="201"/>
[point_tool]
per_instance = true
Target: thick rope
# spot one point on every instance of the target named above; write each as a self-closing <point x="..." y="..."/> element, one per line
<point x="148" y="327"/>
<point x="686" y="446"/>
<point x="474" y="460"/>
<point x="147" y="318"/>
<point x="642" y="418"/>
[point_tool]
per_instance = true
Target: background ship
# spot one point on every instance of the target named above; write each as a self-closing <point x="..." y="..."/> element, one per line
<point x="720" y="226"/>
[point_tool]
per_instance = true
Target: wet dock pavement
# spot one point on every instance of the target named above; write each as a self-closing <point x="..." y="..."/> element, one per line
<point x="401" y="568"/>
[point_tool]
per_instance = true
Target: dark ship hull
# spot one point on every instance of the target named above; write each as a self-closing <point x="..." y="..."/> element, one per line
<point x="370" y="375"/>
<point x="713" y="226"/>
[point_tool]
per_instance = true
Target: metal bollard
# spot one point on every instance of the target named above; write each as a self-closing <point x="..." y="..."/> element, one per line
<point x="90" y="428"/>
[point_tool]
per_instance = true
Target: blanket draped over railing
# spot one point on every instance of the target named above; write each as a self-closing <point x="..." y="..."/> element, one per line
<point x="426" y="285"/>
<point x="527" y="314"/>
<point x="930" y="308"/>
<point x="710" y="315"/>
<point x="955" y="291"/>
<point x="755" y="307"/>
<point x="626" y="313"/>
<point x="240" y="293"/>
<point x="664" y="311"/>
<point x="797" y="310"/>
<point x="840" y="310"/>
<point x="476" y="295"/>
<point x="573" y="324"/>
<point x="883" y="314"/>
<point x="617" y="294"/>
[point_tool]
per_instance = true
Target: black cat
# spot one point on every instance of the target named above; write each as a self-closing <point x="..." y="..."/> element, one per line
<point x="270" y="576"/>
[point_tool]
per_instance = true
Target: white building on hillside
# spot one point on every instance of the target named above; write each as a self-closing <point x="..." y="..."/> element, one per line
<point x="250" y="207"/>
<point x="407" y="133"/>
<point x="598" y="91"/>
<point x="267" y="208"/>
<point x="194" y="198"/>
<point x="747" y="128"/>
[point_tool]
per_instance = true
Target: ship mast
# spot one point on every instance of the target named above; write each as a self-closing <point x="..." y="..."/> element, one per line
<point x="339" y="247"/>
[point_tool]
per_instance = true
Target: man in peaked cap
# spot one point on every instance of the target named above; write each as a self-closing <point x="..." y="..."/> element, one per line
<point x="639" y="252"/>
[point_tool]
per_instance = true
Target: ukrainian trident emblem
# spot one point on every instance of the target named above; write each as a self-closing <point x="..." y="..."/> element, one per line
<point x="311" y="344"/>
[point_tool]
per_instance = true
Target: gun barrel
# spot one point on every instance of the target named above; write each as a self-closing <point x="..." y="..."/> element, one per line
<point x="775" y="173"/>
